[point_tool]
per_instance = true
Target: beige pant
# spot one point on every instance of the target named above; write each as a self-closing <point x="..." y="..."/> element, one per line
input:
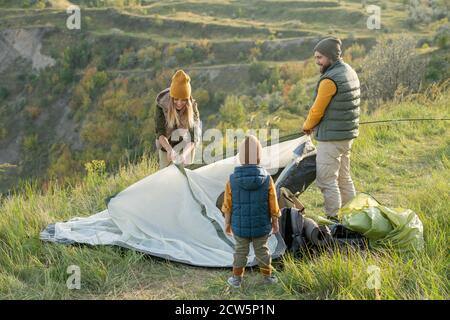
<point x="163" y="162"/>
<point x="262" y="254"/>
<point x="333" y="174"/>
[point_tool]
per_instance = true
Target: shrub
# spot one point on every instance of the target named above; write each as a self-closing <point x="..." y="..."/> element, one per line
<point x="148" y="56"/>
<point x="438" y="68"/>
<point x="356" y="51"/>
<point x="33" y="112"/>
<point x="30" y="143"/>
<point x="62" y="162"/>
<point x="77" y="56"/>
<point x="275" y="101"/>
<point x="255" y="54"/>
<point x="3" y="133"/>
<point x="442" y="37"/>
<point x="418" y="13"/>
<point x="393" y="63"/>
<point x="259" y="71"/>
<point x="201" y="96"/>
<point x="128" y="59"/>
<point x="232" y="113"/>
<point x="4" y="93"/>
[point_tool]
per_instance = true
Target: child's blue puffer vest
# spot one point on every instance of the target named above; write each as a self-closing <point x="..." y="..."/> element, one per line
<point x="250" y="201"/>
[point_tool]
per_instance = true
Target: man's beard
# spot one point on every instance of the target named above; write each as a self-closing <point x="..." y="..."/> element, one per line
<point x="324" y="69"/>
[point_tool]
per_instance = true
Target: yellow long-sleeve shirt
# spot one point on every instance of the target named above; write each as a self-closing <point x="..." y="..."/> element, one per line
<point x="273" y="202"/>
<point x="327" y="89"/>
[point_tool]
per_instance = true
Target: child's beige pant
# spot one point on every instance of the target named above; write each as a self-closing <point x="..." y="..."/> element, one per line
<point x="333" y="174"/>
<point x="262" y="254"/>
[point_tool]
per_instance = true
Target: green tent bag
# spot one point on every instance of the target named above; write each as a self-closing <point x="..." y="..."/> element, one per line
<point x="384" y="227"/>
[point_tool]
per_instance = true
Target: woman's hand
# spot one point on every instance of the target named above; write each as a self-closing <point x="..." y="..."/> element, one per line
<point x="187" y="154"/>
<point x="171" y="155"/>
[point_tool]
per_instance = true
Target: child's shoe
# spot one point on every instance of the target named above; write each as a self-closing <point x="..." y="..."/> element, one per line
<point x="270" y="279"/>
<point x="235" y="282"/>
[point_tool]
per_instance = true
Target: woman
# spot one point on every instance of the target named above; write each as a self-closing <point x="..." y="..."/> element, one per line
<point x="177" y="122"/>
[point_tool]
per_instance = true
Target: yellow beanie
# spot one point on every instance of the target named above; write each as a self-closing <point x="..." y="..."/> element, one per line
<point x="180" y="88"/>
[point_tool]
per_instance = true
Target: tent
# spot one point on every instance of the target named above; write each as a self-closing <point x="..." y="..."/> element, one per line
<point x="172" y="213"/>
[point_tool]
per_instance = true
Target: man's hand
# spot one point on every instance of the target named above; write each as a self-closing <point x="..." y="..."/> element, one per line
<point x="307" y="132"/>
<point x="228" y="229"/>
<point x="275" y="226"/>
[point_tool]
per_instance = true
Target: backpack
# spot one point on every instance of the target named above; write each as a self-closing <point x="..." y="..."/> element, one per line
<point x="291" y="221"/>
<point x="291" y="229"/>
<point x="298" y="231"/>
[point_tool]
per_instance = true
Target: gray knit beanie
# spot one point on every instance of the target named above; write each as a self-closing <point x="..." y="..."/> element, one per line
<point x="330" y="47"/>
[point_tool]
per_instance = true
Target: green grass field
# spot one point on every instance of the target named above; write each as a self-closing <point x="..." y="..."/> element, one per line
<point x="404" y="164"/>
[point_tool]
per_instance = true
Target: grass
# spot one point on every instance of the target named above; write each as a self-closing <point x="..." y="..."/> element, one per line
<point x="403" y="165"/>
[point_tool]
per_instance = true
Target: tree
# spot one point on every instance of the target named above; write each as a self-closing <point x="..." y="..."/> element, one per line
<point x="391" y="65"/>
<point x="258" y="72"/>
<point x="201" y="96"/>
<point x="442" y="36"/>
<point x="128" y="59"/>
<point x="232" y="113"/>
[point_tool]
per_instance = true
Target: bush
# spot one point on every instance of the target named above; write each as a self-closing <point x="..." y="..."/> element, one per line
<point x="297" y="98"/>
<point x="275" y="101"/>
<point x="128" y="59"/>
<point x="30" y="143"/>
<point x="442" y="37"/>
<point x="149" y="56"/>
<point x="421" y="12"/>
<point x="201" y="96"/>
<point x="232" y="113"/>
<point x="356" y="51"/>
<point x="259" y="71"/>
<point x="255" y="54"/>
<point x="4" y="93"/>
<point x="418" y="13"/>
<point x="438" y="68"/>
<point x="33" y="112"/>
<point x="76" y="57"/>
<point x="62" y="161"/>
<point x="392" y="63"/>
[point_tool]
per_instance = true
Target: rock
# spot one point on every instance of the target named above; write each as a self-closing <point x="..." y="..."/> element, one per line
<point x="26" y="44"/>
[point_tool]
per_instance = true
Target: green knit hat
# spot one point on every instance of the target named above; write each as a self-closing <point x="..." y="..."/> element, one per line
<point x="330" y="47"/>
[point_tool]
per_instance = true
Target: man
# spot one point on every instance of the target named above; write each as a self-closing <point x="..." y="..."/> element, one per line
<point x="334" y="118"/>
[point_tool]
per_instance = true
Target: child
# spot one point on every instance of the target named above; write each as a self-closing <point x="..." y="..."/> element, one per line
<point x="251" y="211"/>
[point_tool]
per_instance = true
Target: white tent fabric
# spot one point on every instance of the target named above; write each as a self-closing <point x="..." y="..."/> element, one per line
<point x="172" y="214"/>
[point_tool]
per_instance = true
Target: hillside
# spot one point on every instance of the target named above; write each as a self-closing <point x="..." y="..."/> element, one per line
<point x="400" y="164"/>
<point x="71" y="96"/>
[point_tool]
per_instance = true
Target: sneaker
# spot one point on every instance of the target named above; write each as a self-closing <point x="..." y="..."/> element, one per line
<point x="235" y="282"/>
<point x="270" y="279"/>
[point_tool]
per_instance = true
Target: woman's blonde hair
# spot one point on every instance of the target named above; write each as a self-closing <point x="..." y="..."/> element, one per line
<point x="185" y="119"/>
